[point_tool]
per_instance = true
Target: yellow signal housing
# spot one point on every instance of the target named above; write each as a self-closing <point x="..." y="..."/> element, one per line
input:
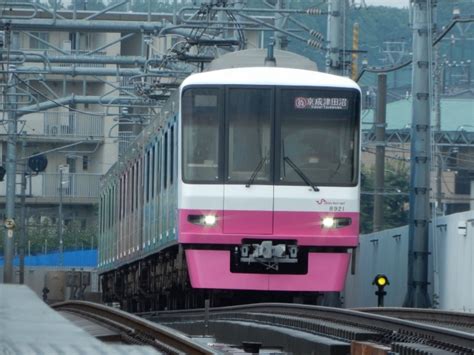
<point x="381" y="280"/>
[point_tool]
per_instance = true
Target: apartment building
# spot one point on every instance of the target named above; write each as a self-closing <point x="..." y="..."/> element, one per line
<point x="81" y="139"/>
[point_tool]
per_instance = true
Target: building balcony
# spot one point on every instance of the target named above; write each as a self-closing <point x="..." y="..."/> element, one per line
<point x="44" y="188"/>
<point x="60" y="126"/>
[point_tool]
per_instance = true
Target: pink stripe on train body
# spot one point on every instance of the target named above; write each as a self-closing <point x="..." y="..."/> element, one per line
<point x="305" y="227"/>
<point x="211" y="269"/>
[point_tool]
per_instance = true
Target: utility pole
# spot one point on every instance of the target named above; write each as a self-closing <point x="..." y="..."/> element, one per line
<point x="11" y="107"/>
<point x="438" y="88"/>
<point x="417" y="291"/>
<point x="380" y="118"/>
<point x="60" y="218"/>
<point x="333" y="55"/>
<point x="281" y="40"/>
<point x="23" y="216"/>
<point x="355" y="55"/>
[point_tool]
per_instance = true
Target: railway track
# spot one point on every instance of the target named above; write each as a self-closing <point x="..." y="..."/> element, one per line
<point x="405" y="336"/>
<point x="447" y="319"/>
<point x="131" y="329"/>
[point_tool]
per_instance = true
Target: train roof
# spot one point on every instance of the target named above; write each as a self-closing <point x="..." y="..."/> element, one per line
<point x="269" y="76"/>
<point x="255" y="57"/>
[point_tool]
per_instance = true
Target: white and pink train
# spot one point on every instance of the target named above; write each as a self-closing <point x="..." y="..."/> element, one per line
<point x="248" y="181"/>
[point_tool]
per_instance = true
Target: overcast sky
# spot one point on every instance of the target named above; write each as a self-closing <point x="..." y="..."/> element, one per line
<point x="397" y="3"/>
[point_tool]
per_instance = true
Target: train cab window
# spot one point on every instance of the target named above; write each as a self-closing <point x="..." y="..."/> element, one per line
<point x="318" y="136"/>
<point x="249" y="115"/>
<point x="200" y="117"/>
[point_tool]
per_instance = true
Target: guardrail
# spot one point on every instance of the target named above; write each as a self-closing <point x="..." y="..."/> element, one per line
<point x="73" y="124"/>
<point x="125" y="139"/>
<point x="73" y="185"/>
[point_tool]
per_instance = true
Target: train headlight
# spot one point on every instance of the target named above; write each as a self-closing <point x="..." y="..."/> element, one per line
<point x="203" y="220"/>
<point x="335" y="222"/>
<point x="329" y="222"/>
<point x="210" y="220"/>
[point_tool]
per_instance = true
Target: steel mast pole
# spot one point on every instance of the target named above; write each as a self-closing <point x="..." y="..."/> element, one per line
<point x="60" y="218"/>
<point x="281" y="41"/>
<point x="333" y="56"/>
<point x="11" y="102"/>
<point x="417" y="291"/>
<point x="23" y="217"/>
<point x="380" y="124"/>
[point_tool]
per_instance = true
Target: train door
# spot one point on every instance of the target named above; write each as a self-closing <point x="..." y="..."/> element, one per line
<point x="248" y="189"/>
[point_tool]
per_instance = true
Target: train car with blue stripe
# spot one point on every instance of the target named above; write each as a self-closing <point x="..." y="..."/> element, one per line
<point x="245" y="187"/>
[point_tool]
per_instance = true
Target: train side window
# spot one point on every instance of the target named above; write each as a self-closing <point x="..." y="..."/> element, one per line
<point x="171" y="155"/>
<point x="137" y="185"/>
<point x="153" y="172"/>
<point x="120" y="200"/>
<point x="123" y="196"/>
<point x="101" y="204"/>
<point x="165" y="162"/>
<point x="127" y="193"/>
<point x="158" y="164"/>
<point x="113" y="216"/>
<point x="147" y="169"/>
<point x="110" y="209"/>
<point x="133" y="190"/>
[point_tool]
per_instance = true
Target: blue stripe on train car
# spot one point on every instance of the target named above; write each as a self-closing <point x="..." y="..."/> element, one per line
<point x="77" y="258"/>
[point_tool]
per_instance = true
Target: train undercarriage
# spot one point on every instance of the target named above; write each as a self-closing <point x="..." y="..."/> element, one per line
<point x="161" y="282"/>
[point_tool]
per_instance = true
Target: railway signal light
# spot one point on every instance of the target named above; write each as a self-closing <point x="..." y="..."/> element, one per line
<point x="380" y="281"/>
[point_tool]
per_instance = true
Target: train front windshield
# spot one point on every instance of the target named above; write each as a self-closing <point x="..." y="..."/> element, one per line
<point x="267" y="135"/>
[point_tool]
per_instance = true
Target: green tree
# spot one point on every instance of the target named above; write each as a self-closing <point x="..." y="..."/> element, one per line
<point x="395" y="205"/>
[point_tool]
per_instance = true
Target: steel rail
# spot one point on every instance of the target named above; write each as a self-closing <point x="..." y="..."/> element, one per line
<point x="135" y="328"/>
<point x="424" y="315"/>
<point x="441" y="337"/>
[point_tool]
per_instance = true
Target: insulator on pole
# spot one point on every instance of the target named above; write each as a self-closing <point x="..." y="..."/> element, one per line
<point x="315" y="43"/>
<point x="318" y="35"/>
<point x="313" y="11"/>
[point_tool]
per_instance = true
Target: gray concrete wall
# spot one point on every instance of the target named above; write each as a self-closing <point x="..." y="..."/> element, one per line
<point x="451" y="265"/>
<point x="38" y="277"/>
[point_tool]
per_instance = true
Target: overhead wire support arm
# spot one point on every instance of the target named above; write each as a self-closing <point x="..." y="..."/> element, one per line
<point x="408" y="62"/>
<point x="107" y="9"/>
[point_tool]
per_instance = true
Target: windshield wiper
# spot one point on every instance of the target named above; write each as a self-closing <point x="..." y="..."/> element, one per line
<point x="255" y="172"/>
<point x="300" y="173"/>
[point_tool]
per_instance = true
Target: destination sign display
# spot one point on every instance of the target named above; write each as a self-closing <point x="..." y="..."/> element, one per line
<point x="321" y="103"/>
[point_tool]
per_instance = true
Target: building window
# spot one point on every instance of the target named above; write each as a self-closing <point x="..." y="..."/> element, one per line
<point x="35" y="43"/>
<point x="85" y="162"/>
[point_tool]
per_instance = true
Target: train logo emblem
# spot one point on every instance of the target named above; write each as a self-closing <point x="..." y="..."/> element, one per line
<point x="301" y="102"/>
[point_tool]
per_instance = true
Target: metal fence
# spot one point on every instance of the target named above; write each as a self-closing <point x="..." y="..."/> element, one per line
<point x="73" y="124"/>
<point x="73" y="185"/>
<point x="125" y="139"/>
